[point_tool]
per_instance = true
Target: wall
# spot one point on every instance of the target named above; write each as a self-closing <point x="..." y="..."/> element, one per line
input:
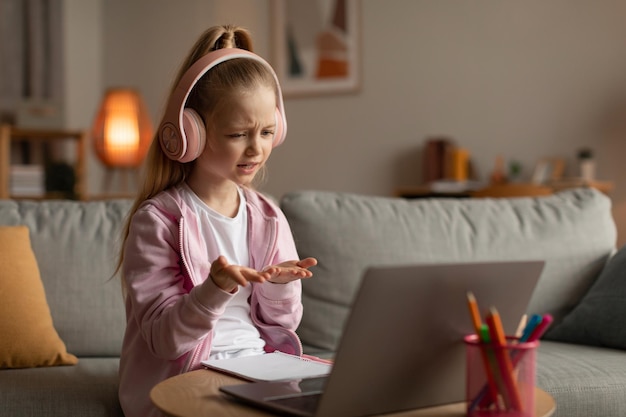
<point x="146" y="40"/>
<point x="83" y="51"/>
<point x="523" y="80"/>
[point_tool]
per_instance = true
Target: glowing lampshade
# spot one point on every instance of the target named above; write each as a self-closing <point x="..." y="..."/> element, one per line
<point x="122" y="130"/>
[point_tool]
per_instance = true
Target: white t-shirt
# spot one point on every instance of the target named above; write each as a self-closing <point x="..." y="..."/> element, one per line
<point x="234" y="334"/>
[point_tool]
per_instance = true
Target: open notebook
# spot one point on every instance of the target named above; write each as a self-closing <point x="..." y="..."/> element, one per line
<point x="402" y="345"/>
<point x="274" y="366"/>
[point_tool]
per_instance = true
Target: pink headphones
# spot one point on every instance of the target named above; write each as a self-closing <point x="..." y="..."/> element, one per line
<point x="182" y="133"/>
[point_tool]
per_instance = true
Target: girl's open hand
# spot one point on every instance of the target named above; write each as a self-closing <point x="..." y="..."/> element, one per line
<point x="228" y="277"/>
<point x="290" y="270"/>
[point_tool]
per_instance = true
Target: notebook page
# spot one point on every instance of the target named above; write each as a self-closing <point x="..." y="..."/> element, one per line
<point x="275" y="366"/>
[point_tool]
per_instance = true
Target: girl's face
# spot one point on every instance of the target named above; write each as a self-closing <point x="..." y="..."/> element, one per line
<point x="239" y="137"/>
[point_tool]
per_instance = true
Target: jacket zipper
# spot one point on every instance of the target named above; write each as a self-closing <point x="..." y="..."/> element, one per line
<point x="267" y="262"/>
<point x="183" y="253"/>
<point x="272" y="248"/>
<point x="194" y="355"/>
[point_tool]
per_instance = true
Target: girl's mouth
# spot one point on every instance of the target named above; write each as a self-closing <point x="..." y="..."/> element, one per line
<point x="248" y="168"/>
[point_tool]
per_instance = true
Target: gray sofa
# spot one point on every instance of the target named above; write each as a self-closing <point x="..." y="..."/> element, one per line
<point x="572" y="231"/>
<point x="76" y="245"/>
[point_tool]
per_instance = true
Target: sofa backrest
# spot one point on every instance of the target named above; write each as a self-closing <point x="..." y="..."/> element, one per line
<point x="76" y="246"/>
<point x="572" y="231"/>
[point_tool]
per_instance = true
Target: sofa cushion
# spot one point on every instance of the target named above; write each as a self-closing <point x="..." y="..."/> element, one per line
<point x="76" y="246"/>
<point x="29" y="338"/>
<point x="599" y="317"/>
<point x="583" y="380"/>
<point x="88" y="389"/>
<point x="572" y="231"/>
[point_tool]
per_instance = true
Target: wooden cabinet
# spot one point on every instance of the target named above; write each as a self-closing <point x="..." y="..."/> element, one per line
<point x="10" y="135"/>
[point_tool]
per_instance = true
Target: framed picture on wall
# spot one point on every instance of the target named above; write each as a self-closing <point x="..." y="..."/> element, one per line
<point x="548" y="169"/>
<point x="316" y="46"/>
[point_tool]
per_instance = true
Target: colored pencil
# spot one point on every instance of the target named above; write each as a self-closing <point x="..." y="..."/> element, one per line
<point x="488" y="360"/>
<point x="498" y="338"/>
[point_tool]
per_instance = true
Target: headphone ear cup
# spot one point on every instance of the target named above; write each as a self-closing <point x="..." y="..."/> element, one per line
<point x="280" y="130"/>
<point x="195" y="133"/>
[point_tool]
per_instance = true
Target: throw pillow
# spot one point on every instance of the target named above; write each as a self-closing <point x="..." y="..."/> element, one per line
<point x="29" y="338"/>
<point x="598" y="319"/>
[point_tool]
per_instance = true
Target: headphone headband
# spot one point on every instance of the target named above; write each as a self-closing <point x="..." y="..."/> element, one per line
<point x="180" y="125"/>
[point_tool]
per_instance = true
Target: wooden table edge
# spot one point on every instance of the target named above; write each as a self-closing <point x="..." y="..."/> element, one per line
<point x="196" y="393"/>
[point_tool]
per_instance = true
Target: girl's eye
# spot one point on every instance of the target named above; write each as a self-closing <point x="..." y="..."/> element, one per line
<point x="236" y="135"/>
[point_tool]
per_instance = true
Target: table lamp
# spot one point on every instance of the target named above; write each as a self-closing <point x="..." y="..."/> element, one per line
<point x="122" y="132"/>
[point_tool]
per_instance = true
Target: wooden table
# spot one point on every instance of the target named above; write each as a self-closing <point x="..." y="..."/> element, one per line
<point x="196" y="394"/>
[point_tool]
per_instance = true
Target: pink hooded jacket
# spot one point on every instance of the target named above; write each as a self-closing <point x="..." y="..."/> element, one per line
<point x="171" y="306"/>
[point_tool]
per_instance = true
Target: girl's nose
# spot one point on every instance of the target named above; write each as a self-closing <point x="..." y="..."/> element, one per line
<point x="254" y="145"/>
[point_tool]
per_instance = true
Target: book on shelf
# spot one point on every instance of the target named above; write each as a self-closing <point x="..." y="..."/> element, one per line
<point x="27" y="180"/>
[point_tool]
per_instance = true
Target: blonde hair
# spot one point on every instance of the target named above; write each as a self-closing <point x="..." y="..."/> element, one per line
<point x="230" y="76"/>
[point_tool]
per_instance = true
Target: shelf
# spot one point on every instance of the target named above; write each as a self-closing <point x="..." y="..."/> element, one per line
<point x="9" y="134"/>
<point x="426" y="191"/>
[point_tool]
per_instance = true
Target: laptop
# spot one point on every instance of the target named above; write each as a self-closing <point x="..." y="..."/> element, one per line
<point x="402" y="344"/>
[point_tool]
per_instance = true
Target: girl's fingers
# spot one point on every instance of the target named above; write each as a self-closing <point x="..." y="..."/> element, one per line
<point x="251" y="275"/>
<point x="307" y="262"/>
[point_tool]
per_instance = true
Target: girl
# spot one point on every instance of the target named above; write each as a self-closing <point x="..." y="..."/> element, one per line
<point x="209" y="266"/>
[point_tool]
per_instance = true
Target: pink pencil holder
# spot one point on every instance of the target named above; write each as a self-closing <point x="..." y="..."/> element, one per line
<point x="500" y="380"/>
